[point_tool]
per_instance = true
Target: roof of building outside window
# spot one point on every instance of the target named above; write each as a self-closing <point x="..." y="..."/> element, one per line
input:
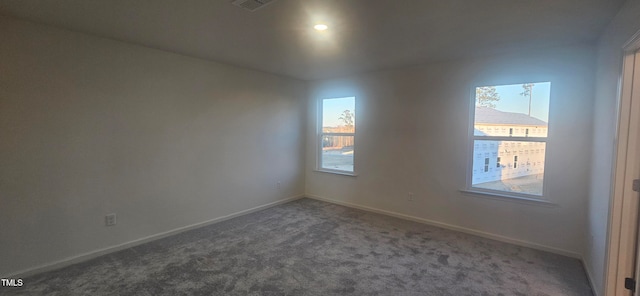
<point x="492" y="116"/>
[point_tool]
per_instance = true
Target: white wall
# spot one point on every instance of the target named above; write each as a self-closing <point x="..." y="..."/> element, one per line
<point x="412" y="126"/>
<point x="90" y="126"/>
<point x="609" y="68"/>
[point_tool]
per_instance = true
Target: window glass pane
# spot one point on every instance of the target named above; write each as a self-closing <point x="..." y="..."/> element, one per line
<point x="516" y="110"/>
<point x="337" y="153"/>
<point x="505" y="166"/>
<point x="339" y="115"/>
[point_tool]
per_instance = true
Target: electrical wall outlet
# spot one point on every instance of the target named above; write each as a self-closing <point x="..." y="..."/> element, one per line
<point x="110" y="219"/>
<point x="410" y="196"/>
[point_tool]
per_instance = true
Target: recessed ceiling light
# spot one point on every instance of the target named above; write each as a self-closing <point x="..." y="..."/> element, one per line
<point x="320" y="27"/>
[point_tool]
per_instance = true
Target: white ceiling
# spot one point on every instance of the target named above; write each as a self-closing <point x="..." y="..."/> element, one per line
<point x="364" y="35"/>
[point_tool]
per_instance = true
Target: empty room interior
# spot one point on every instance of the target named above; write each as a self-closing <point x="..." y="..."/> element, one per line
<point x="317" y="147"/>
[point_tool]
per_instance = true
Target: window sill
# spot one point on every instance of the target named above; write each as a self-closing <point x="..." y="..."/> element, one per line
<point x="510" y="197"/>
<point x="343" y="173"/>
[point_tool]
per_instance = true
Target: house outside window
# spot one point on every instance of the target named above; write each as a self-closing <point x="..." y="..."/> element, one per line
<point x="511" y="122"/>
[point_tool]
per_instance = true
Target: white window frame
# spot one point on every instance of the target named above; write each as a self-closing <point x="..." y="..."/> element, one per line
<point x="470" y="155"/>
<point x="321" y="135"/>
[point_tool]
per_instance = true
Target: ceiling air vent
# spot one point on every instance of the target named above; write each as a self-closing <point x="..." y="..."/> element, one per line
<point x="251" y="5"/>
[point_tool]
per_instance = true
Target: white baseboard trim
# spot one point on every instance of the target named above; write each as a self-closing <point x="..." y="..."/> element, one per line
<point x="585" y="265"/>
<point x="452" y="227"/>
<point x="100" y="252"/>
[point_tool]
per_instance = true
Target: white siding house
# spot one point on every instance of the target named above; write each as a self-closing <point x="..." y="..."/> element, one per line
<point x="500" y="160"/>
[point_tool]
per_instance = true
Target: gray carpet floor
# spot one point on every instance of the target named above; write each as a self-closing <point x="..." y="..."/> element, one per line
<point x="308" y="247"/>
